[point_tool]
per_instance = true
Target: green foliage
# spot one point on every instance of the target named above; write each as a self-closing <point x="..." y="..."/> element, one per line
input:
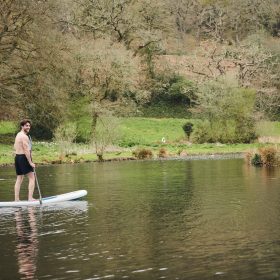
<point x="171" y="96"/>
<point x="129" y="142"/>
<point x="45" y="120"/>
<point x="256" y="160"/>
<point x="65" y="135"/>
<point x="223" y="131"/>
<point x="228" y="113"/>
<point x="188" y="128"/>
<point x="181" y="90"/>
<point x="163" y="109"/>
<point x="79" y="113"/>
<point x="245" y="130"/>
<point x="173" y="90"/>
<point x="105" y="133"/>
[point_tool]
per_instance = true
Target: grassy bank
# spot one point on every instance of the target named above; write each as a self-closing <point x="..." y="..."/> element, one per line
<point x="134" y="133"/>
<point x="48" y="153"/>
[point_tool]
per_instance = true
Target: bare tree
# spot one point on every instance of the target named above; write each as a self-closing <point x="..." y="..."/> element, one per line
<point x="15" y="48"/>
<point x="221" y="20"/>
<point x="107" y="72"/>
<point x="105" y="134"/>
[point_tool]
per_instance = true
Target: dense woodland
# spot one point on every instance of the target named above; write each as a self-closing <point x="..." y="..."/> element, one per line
<point x="213" y="60"/>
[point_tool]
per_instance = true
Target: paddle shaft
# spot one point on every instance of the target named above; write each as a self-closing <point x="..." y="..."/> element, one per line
<point x="36" y="179"/>
<point x="38" y="187"/>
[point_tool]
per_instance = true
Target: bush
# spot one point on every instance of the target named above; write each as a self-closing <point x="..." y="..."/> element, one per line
<point x="173" y="89"/>
<point x="223" y="131"/>
<point x="162" y="153"/>
<point x="65" y="134"/>
<point x="105" y="133"/>
<point x="181" y="90"/>
<point x="256" y="160"/>
<point x="268" y="156"/>
<point x="228" y="113"/>
<point x="202" y="132"/>
<point x="45" y="116"/>
<point x="188" y="129"/>
<point x="41" y="131"/>
<point x="143" y="154"/>
<point x="245" y="130"/>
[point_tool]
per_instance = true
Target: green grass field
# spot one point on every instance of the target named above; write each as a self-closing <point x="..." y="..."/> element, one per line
<point x="143" y="131"/>
<point x="268" y="128"/>
<point x="7" y="127"/>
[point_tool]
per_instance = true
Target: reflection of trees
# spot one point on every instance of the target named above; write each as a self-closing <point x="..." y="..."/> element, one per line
<point x="147" y="210"/>
<point x="176" y="181"/>
<point x="27" y="246"/>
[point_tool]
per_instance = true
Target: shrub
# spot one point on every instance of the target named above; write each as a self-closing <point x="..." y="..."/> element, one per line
<point x="188" y="129"/>
<point x="105" y="133"/>
<point x="64" y="136"/>
<point x="162" y="153"/>
<point x="269" y="156"/>
<point x="228" y="113"/>
<point x="173" y="89"/>
<point x="181" y="90"/>
<point x="223" y="131"/>
<point x="143" y="154"/>
<point x="256" y="160"/>
<point x="202" y="133"/>
<point x="245" y="130"/>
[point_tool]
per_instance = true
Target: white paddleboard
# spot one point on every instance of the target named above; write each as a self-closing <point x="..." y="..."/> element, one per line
<point x="46" y="200"/>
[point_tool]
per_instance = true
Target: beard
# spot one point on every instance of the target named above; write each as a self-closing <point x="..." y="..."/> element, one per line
<point x="26" y="130"/>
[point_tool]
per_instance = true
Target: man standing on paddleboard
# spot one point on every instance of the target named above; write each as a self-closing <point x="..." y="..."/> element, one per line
<point x="23" y="160"/>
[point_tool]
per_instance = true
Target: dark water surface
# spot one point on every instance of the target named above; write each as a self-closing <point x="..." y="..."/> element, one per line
<point x="201" y="219"/>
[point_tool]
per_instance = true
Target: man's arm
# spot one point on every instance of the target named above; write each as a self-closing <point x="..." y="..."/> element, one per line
<point x="25" y="145"/>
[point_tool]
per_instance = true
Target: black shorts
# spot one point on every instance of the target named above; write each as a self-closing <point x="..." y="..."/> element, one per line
<point x="22" y="165"/>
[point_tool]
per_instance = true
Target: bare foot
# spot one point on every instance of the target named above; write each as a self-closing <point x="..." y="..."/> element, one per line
<point x="17" y="200"/>
<point x="32" y="199"/>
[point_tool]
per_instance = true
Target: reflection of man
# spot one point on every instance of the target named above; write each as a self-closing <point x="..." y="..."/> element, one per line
<point x="23" y="160"/>
<point x="27" y="247"/>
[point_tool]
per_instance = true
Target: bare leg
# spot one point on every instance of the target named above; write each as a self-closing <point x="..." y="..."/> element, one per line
<point x="31" y="185"/>
<point x="17" y="186"/>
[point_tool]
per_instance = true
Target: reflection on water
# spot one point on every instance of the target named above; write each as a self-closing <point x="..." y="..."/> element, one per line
<point x="27" y="246"/>
<point x="26" y="227"/>
<point x="147" y="220"/>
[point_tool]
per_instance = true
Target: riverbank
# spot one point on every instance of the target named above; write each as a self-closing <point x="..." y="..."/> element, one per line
<point x="49" y="152"/>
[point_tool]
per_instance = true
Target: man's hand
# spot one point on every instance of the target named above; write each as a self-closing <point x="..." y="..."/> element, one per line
<point x="32" y="164"/>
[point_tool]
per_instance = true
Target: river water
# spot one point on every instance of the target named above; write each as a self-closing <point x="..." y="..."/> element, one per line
<point x="199" y="219"/>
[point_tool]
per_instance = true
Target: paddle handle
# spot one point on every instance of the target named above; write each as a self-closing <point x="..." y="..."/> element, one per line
<point x="38" y="187"/>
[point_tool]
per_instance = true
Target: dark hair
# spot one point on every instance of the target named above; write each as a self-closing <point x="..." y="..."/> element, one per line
<point x="24" y="122"/>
